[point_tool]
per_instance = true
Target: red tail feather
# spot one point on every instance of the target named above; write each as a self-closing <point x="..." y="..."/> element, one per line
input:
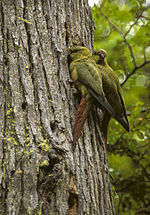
<point x="81" y="116"/>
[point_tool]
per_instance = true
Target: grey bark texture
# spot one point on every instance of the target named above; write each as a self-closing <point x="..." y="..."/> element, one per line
<point x="40" y="173"/>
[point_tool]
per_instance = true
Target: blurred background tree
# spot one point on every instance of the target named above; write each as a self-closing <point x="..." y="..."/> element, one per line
<point x="123" y="30"/>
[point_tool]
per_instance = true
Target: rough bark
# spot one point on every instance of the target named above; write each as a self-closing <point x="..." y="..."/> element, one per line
<point x="39" y="171"/>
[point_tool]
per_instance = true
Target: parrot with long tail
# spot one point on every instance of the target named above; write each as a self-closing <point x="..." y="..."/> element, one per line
<point x="112" y="90"/>
<point x="88" y="74"/>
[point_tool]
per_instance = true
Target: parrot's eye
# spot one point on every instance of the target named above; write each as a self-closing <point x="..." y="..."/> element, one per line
<point x="102" y="56"/>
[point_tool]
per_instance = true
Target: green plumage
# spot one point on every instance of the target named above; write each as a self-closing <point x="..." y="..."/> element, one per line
<point x="112" y="89"/>
<point x="98" y="85"/>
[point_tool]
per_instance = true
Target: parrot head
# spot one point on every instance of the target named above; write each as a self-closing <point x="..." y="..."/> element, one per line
<point x="78" y="53"/>
<point x="100" y="56"/>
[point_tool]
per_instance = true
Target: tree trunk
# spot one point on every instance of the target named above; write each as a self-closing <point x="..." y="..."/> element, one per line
<point x="40" y="173"/>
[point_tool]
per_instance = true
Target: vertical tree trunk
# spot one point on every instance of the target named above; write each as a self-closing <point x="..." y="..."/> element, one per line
<point x="39" y="172"/>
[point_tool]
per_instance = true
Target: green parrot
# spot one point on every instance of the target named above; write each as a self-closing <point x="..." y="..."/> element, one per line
<point x="88" y="81"/>
<point x="112" y="90"/>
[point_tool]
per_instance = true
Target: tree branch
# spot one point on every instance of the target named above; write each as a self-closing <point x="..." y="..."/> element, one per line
<point x="112" y="24"/>
<point x="122" y="34"/>
<point x="128" y="44"/>
<point x="134" y="70"/>
<point x="131" y="26"/>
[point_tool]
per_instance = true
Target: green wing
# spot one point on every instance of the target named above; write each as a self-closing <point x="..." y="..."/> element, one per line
<point x="89" y="76"/>
<point x="123" y="120"/>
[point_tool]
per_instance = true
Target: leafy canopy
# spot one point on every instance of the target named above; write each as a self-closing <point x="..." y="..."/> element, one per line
<point x="123" y="30"/>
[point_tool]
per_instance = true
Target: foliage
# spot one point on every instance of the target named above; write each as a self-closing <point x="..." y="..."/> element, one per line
<point x="122" y="29"/>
